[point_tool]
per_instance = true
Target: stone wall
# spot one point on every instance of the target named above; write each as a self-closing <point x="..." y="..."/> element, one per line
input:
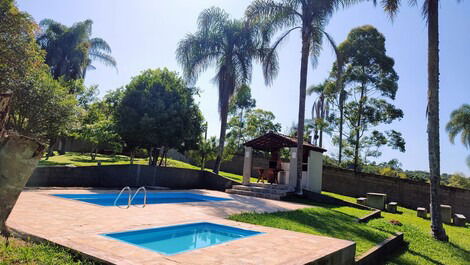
<point x="127" y="175"/>
<point x="407" y="193"/>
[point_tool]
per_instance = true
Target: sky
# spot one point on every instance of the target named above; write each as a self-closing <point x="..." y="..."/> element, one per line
<point x="144" y="34"/>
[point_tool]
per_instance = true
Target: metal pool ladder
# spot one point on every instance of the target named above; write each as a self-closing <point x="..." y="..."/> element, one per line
<point x="130" y="198"/>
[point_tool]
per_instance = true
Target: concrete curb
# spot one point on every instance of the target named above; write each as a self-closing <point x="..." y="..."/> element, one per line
<point x="377" y="254"/>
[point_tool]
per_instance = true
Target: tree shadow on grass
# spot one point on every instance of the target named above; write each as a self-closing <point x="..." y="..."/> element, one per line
<point x="43" y="163"/>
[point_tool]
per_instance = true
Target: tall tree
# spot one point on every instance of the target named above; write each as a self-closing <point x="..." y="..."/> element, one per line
<point x="231" y="45"/>
<point x="20" y="59"/>
<point x="71" y="50"/>
<point x="368" y="72"/>
<point x="310" y="17"/>
<point x="239" y="105"/>
<point x="158" y="111"/>
<point x="430" y="11"/>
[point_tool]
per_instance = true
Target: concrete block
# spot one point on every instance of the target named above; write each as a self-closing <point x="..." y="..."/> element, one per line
<point x="376" y="200"/>
<point x="459" y="219"/>
<point x="446" y="213"/>
<point x="392" y="207"/>
<point x="422" y="212"/>
<point x="361" y="201"/>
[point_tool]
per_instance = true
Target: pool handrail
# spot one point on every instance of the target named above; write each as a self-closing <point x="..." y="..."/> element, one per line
<point x="135" y="194"/>
<point x="128" y="199"/>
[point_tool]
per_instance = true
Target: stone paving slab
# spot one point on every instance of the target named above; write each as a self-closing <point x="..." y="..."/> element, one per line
<point x="79" y="225"/>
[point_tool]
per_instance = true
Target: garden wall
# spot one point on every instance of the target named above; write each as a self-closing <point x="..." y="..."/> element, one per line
<point x="127" y="175"/>
<point x="407" y="193"/>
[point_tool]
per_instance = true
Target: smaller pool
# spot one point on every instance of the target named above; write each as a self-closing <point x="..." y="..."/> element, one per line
<point x="107" y="199"/>
<point x="170" y="240"/>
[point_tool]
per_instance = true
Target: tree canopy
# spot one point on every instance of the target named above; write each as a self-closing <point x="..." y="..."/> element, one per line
<point x="158" y="110"/>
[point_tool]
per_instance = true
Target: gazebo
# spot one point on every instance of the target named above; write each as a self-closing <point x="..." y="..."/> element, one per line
<point x="274" y="142"/>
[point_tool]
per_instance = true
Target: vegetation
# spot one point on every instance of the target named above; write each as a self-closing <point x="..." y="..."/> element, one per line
<point x="71" y="50"/>
<point x="23" y="252"/>
<point x="79" y="160"/>
<point x="430" y="11"/>
<point x="157" y="112"/>
<point x="460" y="124"/>
<point x="231" y="45"/>
<point x="310" y="17"/>
<point x="340" y="222"/>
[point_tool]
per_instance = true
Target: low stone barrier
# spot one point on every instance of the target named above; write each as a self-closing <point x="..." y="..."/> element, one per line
<point x="378" y="254"/>
<point x="119" y="176"/>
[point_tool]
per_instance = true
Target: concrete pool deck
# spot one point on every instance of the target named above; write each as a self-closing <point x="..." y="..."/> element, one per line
<point x="79" y="225"/>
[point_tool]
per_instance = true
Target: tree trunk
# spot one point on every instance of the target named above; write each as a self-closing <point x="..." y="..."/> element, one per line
<point x="132" y="156"/>
<point x="63" y="140"/>
<point x="223" y="128"/>
<point x="341" y="121"/>
<point x="302" y="96"/>
<point x="358" y="128"/>
<point x="93" y="153"/>
<point x="50" y="149"/>
<point x="19" y="156"/>
<point x="433" y="120"/>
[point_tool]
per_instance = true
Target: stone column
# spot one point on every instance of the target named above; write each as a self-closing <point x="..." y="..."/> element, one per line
<point x="315" y="171"/>
<point x="292" y="167"/>
<point x="247" y="165"/>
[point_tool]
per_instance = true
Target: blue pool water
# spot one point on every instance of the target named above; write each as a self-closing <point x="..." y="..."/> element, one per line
<point x="176" y="239"/>
<point x="107" y="199"/>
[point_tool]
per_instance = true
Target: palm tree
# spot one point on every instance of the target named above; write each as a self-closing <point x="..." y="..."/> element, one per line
<point x="430" y="11"/>
<point x="230" y="45"/>
<point x="71" y="50"/>
<point x="460" y="124"/>
<point x="308" y="16"/>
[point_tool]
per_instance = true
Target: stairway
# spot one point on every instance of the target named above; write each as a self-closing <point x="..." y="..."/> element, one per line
<point x="266" y="191"/>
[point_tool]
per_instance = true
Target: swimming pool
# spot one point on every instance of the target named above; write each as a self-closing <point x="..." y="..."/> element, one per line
<point x="107" y="199"/>
<point x="171" y="240"/>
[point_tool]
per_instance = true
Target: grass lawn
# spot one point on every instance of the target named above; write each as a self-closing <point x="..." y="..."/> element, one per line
<point x="21" y="252"/>
<point x="83" y="159"/>
<point x="326" y="220"/>
<point x="339" y="222"/>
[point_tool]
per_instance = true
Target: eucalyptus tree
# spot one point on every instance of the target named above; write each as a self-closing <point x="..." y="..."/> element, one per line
<point x="230" y="45"/>
<point x="430" y="11"/>
<point x="71" y="50"/>
<point x="308" y="16"/>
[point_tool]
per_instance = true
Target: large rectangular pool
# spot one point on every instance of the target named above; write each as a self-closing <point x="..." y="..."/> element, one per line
<point x="176" y="239"/>
<point x="107" y="199"/>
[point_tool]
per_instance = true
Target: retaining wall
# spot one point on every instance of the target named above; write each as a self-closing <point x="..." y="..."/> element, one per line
<point x="407" y="193"/>
<point x="127" y="175"/>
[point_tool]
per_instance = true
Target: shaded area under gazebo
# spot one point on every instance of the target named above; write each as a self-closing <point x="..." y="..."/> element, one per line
<point x="273" y="143"/>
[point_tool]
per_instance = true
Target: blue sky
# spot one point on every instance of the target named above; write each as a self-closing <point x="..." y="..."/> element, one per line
<point x="144" y="34"/>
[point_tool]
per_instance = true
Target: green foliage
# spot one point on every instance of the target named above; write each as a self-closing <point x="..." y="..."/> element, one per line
<point x="252" y="124"/>
<point x="71" y="50"/>
<point x="231" y="45"/>
<point x="158" y="109"/>
<point x="207" y="150"/>
<point x="98" y="128"/>
<point x="460" y="124"/>
<point x="369" y="81"/>
<point x="23" y="252"/>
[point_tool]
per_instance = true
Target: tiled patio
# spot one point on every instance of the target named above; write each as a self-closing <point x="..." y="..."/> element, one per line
<point x="78" y="225"/>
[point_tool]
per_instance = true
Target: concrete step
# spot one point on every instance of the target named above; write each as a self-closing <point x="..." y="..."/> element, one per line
<point x="272" y="186"/>
<point x="260" y="189"/>
<point x="254" y="194"/>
